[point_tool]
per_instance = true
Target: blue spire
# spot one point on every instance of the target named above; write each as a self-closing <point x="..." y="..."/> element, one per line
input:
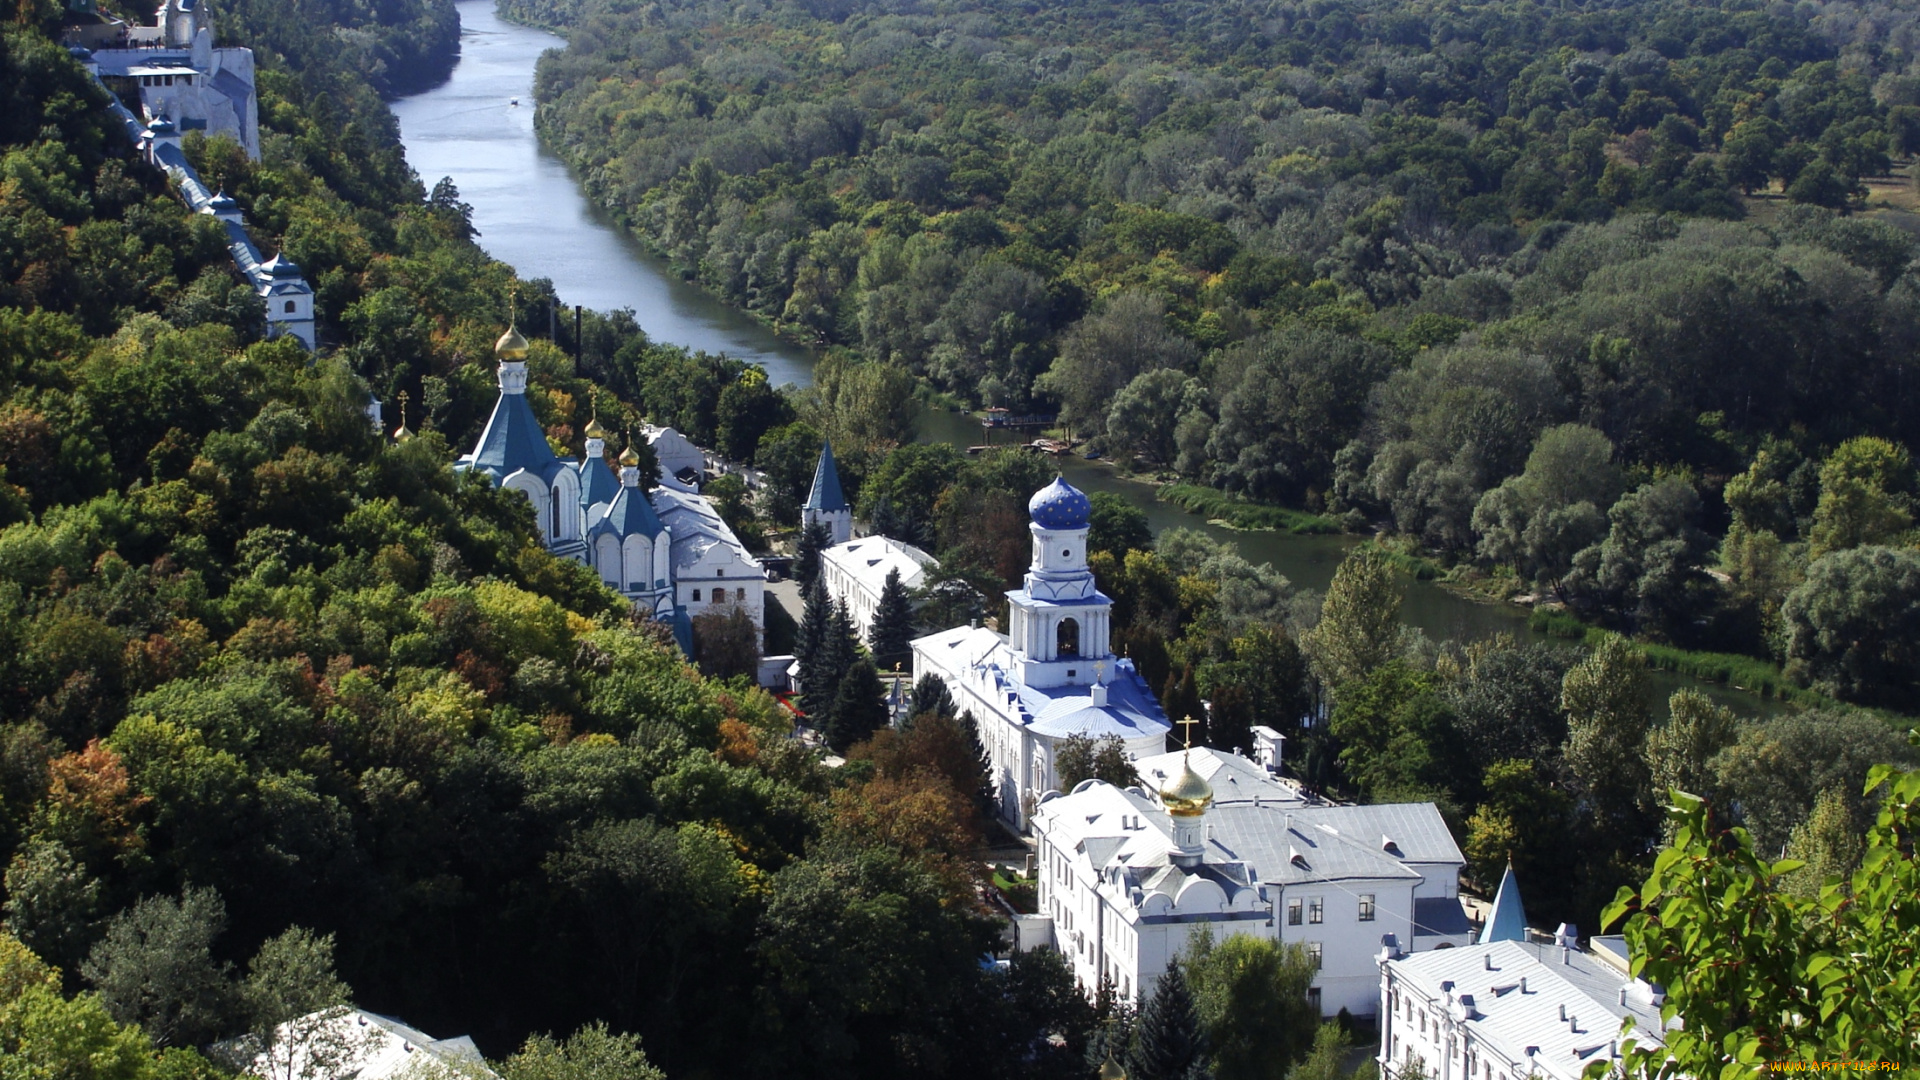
<point x="513" y="439"/>
<point x="826" y="494"/>
<point x="1508" y="920"/>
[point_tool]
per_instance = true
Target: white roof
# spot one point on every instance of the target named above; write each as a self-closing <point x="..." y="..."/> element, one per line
<point x="1127" y="841"/>
<point x="869" y="559"/>
<point x="1233" y="778"/>
<point x="1526" y="1026"/>
<point x="1285" y="840"/>
<point x="697" y="529"/>
<point x="355" y="1043"/>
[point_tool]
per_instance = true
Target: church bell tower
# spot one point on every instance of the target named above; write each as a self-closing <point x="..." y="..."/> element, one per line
<point x="1060" y="621"/>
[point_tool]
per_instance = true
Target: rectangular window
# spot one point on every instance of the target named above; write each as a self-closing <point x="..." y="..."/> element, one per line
<point x="1313" y="999"/>
<point x="1313" y="950"/>
<point x="696" y="596"/>
<point x="1366" y="907"/>
<point x="1315" y="908"/>
<point x="1293" y="913"/>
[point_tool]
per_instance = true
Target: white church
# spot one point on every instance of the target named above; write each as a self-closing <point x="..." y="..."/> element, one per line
<point x="668" y="551"/>
<point x="1053" y="675"/>
<point x="1211" y="840"/>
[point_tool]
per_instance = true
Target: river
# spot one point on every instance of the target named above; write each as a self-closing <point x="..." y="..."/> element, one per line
<point x="477" y="128"/>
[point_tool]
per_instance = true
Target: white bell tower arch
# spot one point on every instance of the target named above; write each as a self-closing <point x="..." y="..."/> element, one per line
<point x="1060" y="623"/>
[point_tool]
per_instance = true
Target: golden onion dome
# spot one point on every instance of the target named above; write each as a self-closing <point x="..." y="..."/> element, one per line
<point x="630" y="456"/>
<point x="511" y="345"/>
<point x="1188" y="795"/>
<point x="402" y="433"/>
<point x="1111" y="1070"/>
<point x="595" y="431"/>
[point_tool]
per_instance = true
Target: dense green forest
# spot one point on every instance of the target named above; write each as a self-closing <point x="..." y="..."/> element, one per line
<point x="1568" y="295"/>
<point x="288" y="707"/>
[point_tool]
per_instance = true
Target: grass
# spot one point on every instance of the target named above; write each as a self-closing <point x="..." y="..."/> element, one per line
<point x="1239" y="513"/>
<point x="1748" y="673"/>
<point x="1022" y="893"/>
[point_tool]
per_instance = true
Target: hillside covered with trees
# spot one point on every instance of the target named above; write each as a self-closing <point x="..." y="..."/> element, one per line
<point x="291" y="714"/>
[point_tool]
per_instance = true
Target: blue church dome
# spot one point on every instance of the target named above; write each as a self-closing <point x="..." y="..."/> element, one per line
<point x="1060" y="505"/>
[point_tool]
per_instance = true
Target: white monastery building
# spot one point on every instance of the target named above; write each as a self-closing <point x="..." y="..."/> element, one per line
<point x="355" y="1043"/>
<point x="1211" y="839"/>
<point x="856" y="572"/>
<point x="1053" y="675"/>
<point x="681" y="463"/>
<point x="1513" y="1007"/>
<point x="667" y="551"/>
<point x="180" y="76"/>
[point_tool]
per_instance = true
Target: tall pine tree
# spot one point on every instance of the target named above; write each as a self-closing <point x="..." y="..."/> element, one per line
<point x="810" y="650"/>
<point x="892" y="623"/>
<point x="1167" y="1041"/>
<point x="859" y="707"/>
<point x="814" y="539"/>
<point x="930" y="695"/>
<point x="838" y="649"/>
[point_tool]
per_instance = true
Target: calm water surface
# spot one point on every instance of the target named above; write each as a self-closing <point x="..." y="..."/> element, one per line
<point x="533" y="215"/>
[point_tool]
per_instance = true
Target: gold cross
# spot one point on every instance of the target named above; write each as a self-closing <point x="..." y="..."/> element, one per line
<point x="1100" y="672"/>
<point x="1188" y="724"/>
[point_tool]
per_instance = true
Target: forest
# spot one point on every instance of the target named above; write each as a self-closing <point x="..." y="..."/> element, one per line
<point x="292" y="715"/>
<point x="1580" y="302"/>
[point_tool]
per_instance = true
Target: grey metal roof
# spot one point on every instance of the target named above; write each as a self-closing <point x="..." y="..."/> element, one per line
<point x="1440" y="916"/>
<point x="1511" y="1020"/>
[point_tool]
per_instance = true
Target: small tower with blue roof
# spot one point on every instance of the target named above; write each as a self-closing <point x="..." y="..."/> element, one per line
<point x="825" y="503"/>
<point x="1508" y="919"/>
<point x="513" y="452"/>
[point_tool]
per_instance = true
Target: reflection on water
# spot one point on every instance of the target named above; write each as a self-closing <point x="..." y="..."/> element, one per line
<point x="532" y="215"/>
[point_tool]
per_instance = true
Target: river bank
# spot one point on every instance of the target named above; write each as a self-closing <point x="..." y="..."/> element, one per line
<point x="478" y="129"/>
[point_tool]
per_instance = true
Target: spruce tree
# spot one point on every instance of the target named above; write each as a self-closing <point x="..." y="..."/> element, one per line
<point x="859" y="707"/>
<point x="885" y="520"/>
<point x="892" y="623"/>
<point x="838" y="648"/>
<point x="810" y="651"/>
<point x="1167" y="1041"/>
<point x="930" y="696"/>
<point x="814" y="539"/>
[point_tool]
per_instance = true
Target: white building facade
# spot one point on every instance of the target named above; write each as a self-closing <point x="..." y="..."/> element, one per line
<point x="1053" y="675"/>
<point x="1126" y="892"/>
<point x="1510" y="1010"/>
<point x="855" y="574"/>
<point x="179" y="74"/>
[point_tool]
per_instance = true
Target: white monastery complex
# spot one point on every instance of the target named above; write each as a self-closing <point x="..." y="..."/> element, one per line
<point x="1053" y="675"/>
<point x="1212" y="839"/>
<point x="667" y="551"/>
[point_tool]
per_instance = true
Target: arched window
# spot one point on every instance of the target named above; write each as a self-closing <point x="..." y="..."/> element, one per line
<point x="290" y="307"/>
<point x="1067" y="639"/>
<point x="553" y="515"/>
